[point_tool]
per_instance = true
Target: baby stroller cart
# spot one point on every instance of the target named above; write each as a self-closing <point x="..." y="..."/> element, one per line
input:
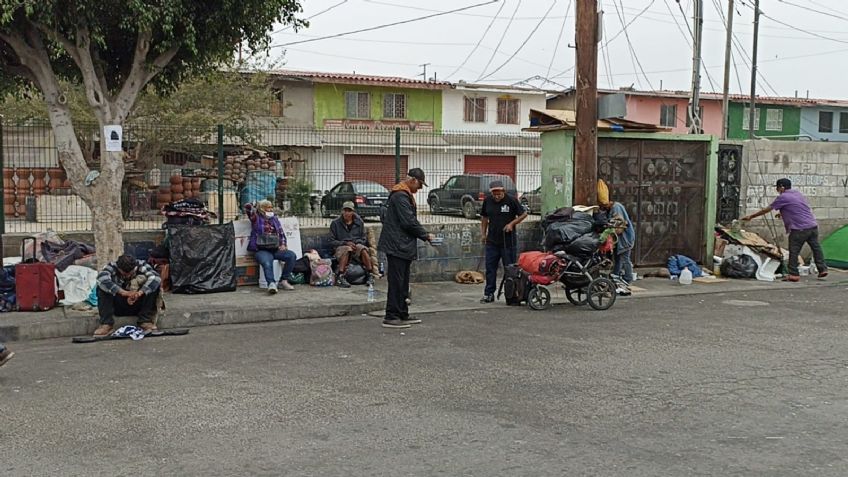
<point x="581" y="277"/>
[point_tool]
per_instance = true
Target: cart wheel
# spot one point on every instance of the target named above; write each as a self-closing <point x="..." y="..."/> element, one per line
<point x="577" y="296"/>
<point x="539" y="298"/>
<point x="601" y="293"/>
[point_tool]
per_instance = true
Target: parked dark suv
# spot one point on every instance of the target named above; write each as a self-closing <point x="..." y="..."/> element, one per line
<point x="464" y="193"/>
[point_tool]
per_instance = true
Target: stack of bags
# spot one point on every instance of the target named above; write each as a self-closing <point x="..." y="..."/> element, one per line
<point x="576" y="233"/>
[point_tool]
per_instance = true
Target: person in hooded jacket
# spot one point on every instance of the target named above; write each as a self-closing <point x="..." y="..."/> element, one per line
<point x="399" y="241"/>
<point x="626" y="234"/>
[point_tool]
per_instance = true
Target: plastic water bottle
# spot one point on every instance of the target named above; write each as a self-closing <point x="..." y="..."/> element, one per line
<point x="685" y="277"/>
<point x="371" y="293"/>
<point x="382" y="269"/>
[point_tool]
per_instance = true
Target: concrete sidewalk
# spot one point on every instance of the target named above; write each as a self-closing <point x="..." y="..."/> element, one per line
<point x="250" y="304"/>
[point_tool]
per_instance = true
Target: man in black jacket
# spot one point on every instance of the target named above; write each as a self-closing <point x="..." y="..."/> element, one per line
<point x="398" y="240"/>
<point x="347" y="237"/>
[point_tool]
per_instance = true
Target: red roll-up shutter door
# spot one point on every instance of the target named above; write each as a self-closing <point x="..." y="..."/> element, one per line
<point x="375" y="168"/>
<point x="504" y="165"/>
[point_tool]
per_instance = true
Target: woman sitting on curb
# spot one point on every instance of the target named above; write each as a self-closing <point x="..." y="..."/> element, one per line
<point x="268" y="241"/>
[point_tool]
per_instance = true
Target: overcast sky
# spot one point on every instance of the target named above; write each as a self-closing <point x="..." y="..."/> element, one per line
<point x="815" y="59"/>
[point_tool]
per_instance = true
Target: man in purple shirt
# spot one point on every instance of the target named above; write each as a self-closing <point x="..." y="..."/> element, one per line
<point x="800" y="224"/>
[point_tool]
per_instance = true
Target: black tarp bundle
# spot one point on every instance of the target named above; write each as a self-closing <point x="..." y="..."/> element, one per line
<point x="202" y="258"/>
<point x="575" y="235"/>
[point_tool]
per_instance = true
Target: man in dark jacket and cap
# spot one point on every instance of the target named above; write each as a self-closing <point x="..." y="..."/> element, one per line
<point x="398" y="240"/>
<point x="348" y="239"/>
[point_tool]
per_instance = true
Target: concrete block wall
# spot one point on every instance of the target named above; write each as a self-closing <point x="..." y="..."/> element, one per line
<point x="818" y="169"/>
<point x="461" y="250"/>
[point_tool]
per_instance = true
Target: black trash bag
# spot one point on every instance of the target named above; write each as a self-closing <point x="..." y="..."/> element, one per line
<point x="560" y="234"/>
<point x="356" y="274"/>
<point x="563" y="214"/>
<point x="739" y="266"/>
<point x="203" y="258"/>
<point x="584" y="246"/>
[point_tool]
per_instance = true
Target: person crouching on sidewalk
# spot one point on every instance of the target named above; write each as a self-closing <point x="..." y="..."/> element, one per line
<point x="127" y="287"/>
<point x="498" y="217"/>
<point x="347" y="237"/>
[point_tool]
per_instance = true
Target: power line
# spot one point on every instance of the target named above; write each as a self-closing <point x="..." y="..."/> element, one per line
<point x="473" y="50"/>
<point x="502" y="37"/>
<point x="496" y="17"/>
<point x="386" y="25"/>
<point x="829" y="14"/>
<point x="691" y="35"/>
<point x="605" y="55"/>
<point x="559" y="37"/>
<point x="624" y="27"/>
<point x="811" y="33"/>
<point x="313" y="16"/>
<point x="634" y="56"/>
<point x="520" y="47"/>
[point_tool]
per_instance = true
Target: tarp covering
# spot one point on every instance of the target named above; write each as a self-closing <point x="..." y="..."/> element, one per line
<point x="203" y="258"/>
<point x="835" y="248"/>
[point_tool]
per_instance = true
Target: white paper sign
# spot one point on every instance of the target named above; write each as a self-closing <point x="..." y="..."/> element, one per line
<point x="290" y="226"/>
<point x="113" y="135"/>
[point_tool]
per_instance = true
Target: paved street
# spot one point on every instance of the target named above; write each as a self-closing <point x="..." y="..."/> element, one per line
<point x="748" y="384"/>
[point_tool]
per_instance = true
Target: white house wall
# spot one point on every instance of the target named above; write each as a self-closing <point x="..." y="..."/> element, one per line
<point x="453" y="107"/>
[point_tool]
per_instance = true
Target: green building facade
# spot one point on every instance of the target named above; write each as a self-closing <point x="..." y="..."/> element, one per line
<point x="773" y="120"/>
<point x="343" y="105"/>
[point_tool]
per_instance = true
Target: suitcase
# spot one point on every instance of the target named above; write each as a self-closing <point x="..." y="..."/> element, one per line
<point x="35" y="283"/>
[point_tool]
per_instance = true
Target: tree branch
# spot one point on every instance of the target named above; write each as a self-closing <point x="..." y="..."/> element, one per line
<point x="161" y="62"/>
<point x="98" y="98"/>
<point x="135" y="80"/>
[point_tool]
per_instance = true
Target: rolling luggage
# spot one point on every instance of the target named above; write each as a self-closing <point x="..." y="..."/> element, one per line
<point x="35" y="283"/>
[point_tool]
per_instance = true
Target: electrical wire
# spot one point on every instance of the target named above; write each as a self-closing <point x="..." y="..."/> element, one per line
<point x="386" y="25"/>
<point x="520" y="47"/>
<point x="313" y="16"/>
<point x="473" y="50"/>
<point x="605" y="56"/>
<point x="491" y="58"/>
<point x="634" y="56"/>
<point x="559" y="38"/>
<point x="829" y="14"/>
<point x="793" y="27"/>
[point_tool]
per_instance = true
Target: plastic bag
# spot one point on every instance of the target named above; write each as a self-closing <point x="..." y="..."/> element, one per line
<point x="355" y="274"/>
<point x="203" y="258"/>
<point x="322" y="273"/>
<point x="739" y="266"/>
<point x="560" y="234"/>
<point x="584" y="246"/>
<point x="77" y="283"/>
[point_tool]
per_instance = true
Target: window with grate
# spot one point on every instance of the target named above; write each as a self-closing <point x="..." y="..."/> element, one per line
<point x="774" y="120"/>
<point x="278" y="104"/>
<point x="825" y="121"/>
<point x="508" y="110"/>
<point x="394" y="105"/>
<point x="746" y="117"/>
<point x="357" y="105"/>
<point x="475" y="110"/>
<point x="668" y="115"/>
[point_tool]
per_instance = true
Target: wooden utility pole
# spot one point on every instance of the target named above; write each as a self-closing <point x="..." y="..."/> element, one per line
<point x="752" y="113"/>
<point x="586" y="89"/>
<point x="728" y="57"/>
<point x="695" y="103"/>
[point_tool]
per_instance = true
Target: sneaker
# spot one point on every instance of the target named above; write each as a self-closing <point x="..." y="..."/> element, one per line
<point x="5" y="356"/>
<point x="396" y="324"/>
<point x="341" y="281"/>
<point x="410" y="320"/>
<point x="623" y="291"/>
<point x="823" y="274"/>
<point x="103" y="330"/>
<point x="285" y="285"/>
<point x="487" y="299"/>
<point x="792" y="278"/>
<point x="147" y="326"/>
<point x="272" y="288"/>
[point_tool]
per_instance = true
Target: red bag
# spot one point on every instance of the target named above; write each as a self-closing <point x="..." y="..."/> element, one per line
<point x="35" y="283"/>
<point x="537" y="262"/>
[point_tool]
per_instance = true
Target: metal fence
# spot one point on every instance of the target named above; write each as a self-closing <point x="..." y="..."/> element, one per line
<point x="297" y="167"/>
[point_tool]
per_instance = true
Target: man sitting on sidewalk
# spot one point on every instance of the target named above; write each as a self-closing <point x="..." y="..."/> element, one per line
<point x="127" y="287"/>
<point x="347" y="237"/>
<point x="5" y="354"/>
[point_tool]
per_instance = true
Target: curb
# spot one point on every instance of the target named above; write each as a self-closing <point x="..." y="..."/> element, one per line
<point x="61" y="322"/>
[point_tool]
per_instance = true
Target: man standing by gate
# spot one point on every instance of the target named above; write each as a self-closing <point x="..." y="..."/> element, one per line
<point x="498" y="218"/>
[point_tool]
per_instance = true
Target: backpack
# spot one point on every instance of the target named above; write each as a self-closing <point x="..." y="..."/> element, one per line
<point x="515" y="285"/>
<point x="322" y="273"/>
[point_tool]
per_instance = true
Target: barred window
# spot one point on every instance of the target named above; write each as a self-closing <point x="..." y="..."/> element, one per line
<point x="357" y="105"/>
<point x="394" y="106"/>
<point x="746" y="117"/>
<point x="774" y="120"/>
<point x="475" y="110"/>
<point x="508" y="111"/>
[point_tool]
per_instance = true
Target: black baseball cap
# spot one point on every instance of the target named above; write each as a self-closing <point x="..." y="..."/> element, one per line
<point x="785" y="183"/>
<point x="418" y="174"/>
<point x="496" y="185"/>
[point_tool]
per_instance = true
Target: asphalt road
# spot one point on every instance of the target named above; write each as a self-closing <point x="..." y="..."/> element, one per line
<point x="735" y="384"/>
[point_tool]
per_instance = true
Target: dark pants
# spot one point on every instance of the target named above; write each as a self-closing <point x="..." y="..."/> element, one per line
<point x="111" y="306"/>
<point x="797" y="239"/>
<point x="495" y="254"/>
<point x="397" y="275"/>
